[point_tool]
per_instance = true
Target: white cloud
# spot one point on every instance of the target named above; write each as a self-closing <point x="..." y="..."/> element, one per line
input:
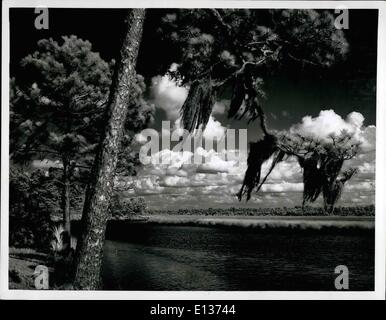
<point x="214" y="129"/>
<point x="361" y="186"/>
<point x="168" y="96"/>
<point x="328" y="122"/>
<point x="283" y="187"/>
<point x="288" y="170"/>
<point x="214" y="162"/>
<point x="218" y="179"/>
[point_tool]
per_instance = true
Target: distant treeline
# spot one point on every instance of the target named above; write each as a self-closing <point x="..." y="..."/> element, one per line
<point x="295" y="211"/>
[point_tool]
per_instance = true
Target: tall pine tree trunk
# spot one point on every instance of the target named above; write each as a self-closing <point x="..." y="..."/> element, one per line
<point x="66" y="191"/>
<point x="88" y="258"/>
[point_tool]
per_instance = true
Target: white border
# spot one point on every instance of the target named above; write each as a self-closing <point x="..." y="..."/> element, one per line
<point x="380" y="228"/>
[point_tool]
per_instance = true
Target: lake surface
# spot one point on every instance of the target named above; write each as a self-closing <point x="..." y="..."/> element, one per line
<point x="145" y="256"/>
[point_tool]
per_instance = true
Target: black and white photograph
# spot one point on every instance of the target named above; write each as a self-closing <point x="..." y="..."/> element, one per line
<point x="219" y="147"/>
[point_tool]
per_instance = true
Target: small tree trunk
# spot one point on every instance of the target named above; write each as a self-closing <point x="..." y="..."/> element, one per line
<point x="328" y="207"/>
<point x="88" y="258"/>
<point x="66" y="191"/>
<point x="331" y="195"/>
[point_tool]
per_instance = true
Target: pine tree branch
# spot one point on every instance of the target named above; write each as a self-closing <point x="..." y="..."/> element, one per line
<point x="227" y="29"/>
<point x="302" y="60"/>
<point x="237" y="50"/>
<point x="234" y="74"/>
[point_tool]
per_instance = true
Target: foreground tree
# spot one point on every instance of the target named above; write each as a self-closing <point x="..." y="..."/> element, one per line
<point x="88" y="258"/>
<point x="57" y="111"/>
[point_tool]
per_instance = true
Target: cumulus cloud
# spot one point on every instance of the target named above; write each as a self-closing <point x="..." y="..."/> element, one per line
<point x="217" y="179"/>
<point x="168" y="96"/>
<point x="211" y="161"/>
<point x="214" y="162"/>
<point x="328" y="122"/>
<point x="288" y="170"/>
<point x="214" y="129"/>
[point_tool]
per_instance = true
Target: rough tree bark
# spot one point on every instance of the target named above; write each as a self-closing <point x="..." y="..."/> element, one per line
<point x="66" y="193"/>
<point x="88" y="257"/>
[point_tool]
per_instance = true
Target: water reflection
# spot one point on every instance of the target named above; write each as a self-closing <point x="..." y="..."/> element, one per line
<point x="159" y="257"/>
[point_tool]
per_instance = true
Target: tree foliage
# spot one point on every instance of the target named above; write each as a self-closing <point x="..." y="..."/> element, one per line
<point x="58" y="108"/>
<point x="123" y="208"/>
<point x="32" y="197"/>
<point x="59" y="102"/>
<point x="239" y="47"/>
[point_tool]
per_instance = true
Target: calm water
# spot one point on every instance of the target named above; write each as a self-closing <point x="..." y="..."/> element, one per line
<point x="163" y="257"/>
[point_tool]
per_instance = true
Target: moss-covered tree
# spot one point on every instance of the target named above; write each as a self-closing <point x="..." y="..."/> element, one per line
<point x="322" y="162"/>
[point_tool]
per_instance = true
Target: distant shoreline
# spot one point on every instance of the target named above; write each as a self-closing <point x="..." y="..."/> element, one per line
<point x="324" y="224"/>
<point x="358" y="211"/>
<point x="261" y="222"/>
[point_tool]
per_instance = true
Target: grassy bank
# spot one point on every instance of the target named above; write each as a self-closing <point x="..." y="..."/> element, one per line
<point x="368" y="211"/>
<point x="265" y="222"/>
<point x="22" y="264"/>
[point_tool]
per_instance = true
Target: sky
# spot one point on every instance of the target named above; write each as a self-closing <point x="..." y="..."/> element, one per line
<point x="298" y="100"/>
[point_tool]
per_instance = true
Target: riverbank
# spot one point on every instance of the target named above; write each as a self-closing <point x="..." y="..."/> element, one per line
<point x="357" y="211"/>
<point x="262" y="222"/>
<point x="280" y="224"/>
<point x="22" y="264"/>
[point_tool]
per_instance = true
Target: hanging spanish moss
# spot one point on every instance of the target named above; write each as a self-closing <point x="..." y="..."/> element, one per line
<point x="277" y="157"/>
<point x="312" y="177"/>
<point x="197" y="107"/>
<point x="332" y="191"/>
<point x="248" y="90"/>
<point x="238" y="95"/>
<point x="259" y="153"/>
<point x="254" y="95"/>
<point x="331" y="168"/>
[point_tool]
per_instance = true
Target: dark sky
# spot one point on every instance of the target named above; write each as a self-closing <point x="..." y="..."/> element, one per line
<point x="346" y="87"/>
